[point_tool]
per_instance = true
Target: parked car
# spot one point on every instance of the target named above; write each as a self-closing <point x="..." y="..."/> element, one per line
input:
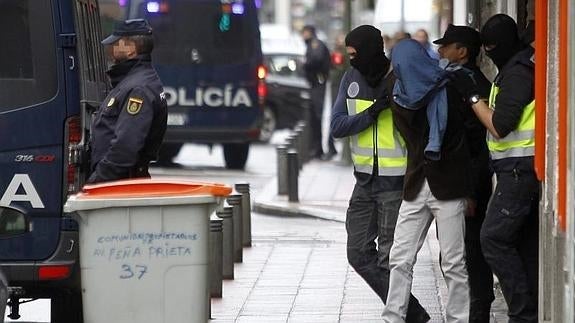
<point x="288" y="92"/>
<point x="287" y="88"/>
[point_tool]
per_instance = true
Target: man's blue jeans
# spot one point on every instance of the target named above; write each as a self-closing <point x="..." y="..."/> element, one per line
<point x="372" y="215"/>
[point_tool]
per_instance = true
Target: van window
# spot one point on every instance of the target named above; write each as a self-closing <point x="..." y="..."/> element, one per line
<point x="203" y="32"/>
<point x="27" y="58"/>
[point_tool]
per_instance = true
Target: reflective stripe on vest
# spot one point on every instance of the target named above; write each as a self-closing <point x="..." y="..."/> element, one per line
<point x="518" y="143"/>
<point x="391" y="154"/>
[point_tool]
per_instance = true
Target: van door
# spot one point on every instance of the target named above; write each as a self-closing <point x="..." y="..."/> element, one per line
<point x="32" y="115"/>
<point x="93" y="83"/>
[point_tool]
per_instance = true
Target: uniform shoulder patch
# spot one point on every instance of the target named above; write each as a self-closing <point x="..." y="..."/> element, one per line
<point x="353" y="89"/>
<point x="134" y="105"/>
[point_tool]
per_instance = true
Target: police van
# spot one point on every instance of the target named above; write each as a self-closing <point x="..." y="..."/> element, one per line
<point x="208" y="55"/>
<point x="51" y="79"/>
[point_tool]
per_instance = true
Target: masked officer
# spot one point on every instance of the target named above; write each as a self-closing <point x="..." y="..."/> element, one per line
<point x="316" y="68"/>
<point x="509" y="236"/>
<point x="129" y="126"/>
<point x="461" y="45"/>
<point x="362" y="112"/>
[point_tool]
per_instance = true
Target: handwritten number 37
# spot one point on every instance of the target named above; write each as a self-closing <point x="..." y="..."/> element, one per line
<point x="128" y="272"/>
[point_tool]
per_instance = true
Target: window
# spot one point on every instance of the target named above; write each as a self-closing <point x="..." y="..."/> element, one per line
<point x="12" y="222"/>
<point x="27" y="57"/>
<point x="201" y="32"/>
<point x="285" y="65"/>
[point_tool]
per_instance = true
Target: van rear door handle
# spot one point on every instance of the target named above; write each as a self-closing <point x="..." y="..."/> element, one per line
<point x="71" y="246"/>
<point x="72" y="61"/>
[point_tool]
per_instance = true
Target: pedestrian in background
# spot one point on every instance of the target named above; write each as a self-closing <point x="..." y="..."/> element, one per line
<point x="362" y="111"/>
<point x="510" y="233"/>
<point x="129" y="126"/>
<point x="316" y="67"/>
<point x="461" y="45"/>
<point x="428" y="114"/>
<point x="422" y="37"/>
<point x="340" y="64"/>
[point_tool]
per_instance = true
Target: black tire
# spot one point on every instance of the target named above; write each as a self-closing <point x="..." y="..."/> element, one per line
<point x="269" y="124"/>
<point x="236" y="155"/>
<point x="66" y="307"/>
<point x="168" y="151"/>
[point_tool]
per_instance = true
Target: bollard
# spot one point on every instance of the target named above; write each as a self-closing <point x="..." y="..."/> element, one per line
<point x="300" y="139"/>
<point x="292" y="141"/>
<point x="281" y="152"/>
<point x="307" y="118"/>
<point x="244" y="188"/>
<point x="216" y="257"/>
<point x="305" y="140"/>
<point x="226" y="214"/>
<point x="235" y="200"/>
<point x="292" y="174"/>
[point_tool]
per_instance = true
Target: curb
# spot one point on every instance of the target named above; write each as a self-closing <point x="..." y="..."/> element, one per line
<point x="268" y="202"/>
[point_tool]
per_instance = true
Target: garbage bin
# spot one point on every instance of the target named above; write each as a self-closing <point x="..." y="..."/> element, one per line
<point x="144" y="250"/>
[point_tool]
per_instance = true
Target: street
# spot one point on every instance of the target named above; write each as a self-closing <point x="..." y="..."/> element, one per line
<point x="201" y="165"/>
<point x="296" y="270"/>
<point x="268" y="231"/>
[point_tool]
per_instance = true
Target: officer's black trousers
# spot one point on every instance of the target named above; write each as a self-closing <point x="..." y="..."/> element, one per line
<point x="509" y="238"/>
<point x="317" y="101"/>
<point x="480" y="275"/>
<point x="372" y="215"/>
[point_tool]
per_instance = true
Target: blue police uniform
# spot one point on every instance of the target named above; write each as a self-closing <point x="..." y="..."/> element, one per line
<point x="316" y="69"/>
<point x="129" y="126"/>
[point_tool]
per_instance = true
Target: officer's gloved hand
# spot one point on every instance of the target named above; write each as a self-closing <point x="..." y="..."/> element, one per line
<point x="379" y="105"/>
<point x="465" y="84"/>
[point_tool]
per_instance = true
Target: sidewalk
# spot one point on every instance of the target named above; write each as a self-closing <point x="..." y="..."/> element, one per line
<point x="309" y="280"/>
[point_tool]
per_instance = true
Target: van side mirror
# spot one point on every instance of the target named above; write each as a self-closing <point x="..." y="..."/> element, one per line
<point x="13" y="222"/>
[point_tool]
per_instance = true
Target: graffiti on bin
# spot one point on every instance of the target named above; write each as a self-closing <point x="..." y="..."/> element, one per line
<point x="147" y="252"/>
<point x="141" y="247"/>
<point x="148" y="237"/>
<point x="129" y="271"/>
<point x="151" y="245"/>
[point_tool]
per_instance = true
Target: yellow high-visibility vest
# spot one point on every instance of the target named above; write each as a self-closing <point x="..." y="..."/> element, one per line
<point x="518" y="143"/>
<point x="390" y="147"/>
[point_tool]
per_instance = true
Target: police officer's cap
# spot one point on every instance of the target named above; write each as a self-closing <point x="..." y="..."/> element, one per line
<point x="130" y="27"/>
<point x="460" y="34"/>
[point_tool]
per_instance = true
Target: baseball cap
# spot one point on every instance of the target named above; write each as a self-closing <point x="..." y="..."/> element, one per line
<point x="130" y="27"/>
<point x="459" y="34"/>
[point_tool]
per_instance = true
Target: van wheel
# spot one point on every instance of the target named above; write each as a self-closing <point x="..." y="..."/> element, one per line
<point x="168" y="151"/>
<point x="66" y="307"/>
<point x="269" y="123"/>
<point x="236" y="155"/>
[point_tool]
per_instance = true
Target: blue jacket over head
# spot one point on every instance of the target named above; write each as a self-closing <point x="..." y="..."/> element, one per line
<point x="421" y="84"/>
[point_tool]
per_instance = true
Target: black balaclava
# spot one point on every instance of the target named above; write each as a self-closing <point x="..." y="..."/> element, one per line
<point x="370" y="59"/>
<point x="501" y="31"/>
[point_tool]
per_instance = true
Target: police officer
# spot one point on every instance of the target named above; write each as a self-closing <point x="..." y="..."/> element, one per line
<point x="509" y="236"/>
<point x="129" y="126"/>
<point x="316" y="68"/>
<point x="461" y="45"/>
<point x="362" y="112"/>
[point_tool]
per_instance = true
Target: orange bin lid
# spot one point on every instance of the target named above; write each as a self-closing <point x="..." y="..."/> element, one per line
<point x="152" y="187"/>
